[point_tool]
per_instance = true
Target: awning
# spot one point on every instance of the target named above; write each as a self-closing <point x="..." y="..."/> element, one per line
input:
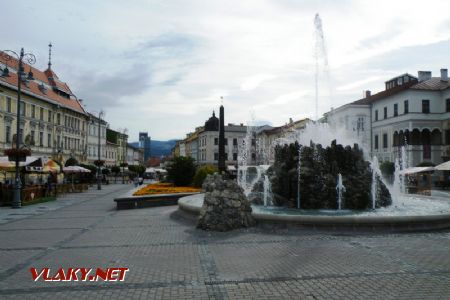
<point x="416" y="170"/>
<point x="231" y="168"/>
<point x="444" y="166"/>
<point x="5" y="164"/>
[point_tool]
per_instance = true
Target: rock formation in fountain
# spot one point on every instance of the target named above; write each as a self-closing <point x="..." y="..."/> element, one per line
<point x="319" y="169"/>
<point x="225" y="206"/>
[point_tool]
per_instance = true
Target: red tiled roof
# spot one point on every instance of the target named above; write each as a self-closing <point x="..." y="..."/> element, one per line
<point x="385" y="93"/>
<point x="32" y="87"/>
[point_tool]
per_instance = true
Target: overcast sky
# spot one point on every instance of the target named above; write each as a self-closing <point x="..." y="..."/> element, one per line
<point x="162" y="66"/>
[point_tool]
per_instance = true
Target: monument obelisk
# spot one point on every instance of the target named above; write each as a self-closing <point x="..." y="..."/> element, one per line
<point x="222" y="158"/>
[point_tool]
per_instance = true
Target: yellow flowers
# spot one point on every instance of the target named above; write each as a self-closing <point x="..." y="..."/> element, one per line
<point x="164" y="188"/>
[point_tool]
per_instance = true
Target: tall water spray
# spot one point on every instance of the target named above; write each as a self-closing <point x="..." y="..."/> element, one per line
<point x="340" y="188"/>
<point x="320" y="53"/>
<point x="376" y="172"/>
<point x="267" y="191"/>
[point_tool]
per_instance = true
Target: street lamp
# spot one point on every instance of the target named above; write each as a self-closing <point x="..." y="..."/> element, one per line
<point x="98" y="163"/>
<point x="125" y="131"/>
<point x="31" y="59"/>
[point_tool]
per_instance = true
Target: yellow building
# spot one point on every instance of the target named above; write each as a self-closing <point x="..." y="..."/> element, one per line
<point x="53" y="122"/>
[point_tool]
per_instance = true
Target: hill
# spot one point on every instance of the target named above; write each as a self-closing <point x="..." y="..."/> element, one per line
<point x="159" y="148"/>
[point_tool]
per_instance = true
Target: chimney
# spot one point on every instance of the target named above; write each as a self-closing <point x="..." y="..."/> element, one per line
<point x="291" y="121"/>
<point x="444" y="75"/>
<point x="424" y="75"/>
<point x="368" y="94"/>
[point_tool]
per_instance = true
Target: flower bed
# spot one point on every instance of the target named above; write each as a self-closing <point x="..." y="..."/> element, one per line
<point x="164" y="188"/>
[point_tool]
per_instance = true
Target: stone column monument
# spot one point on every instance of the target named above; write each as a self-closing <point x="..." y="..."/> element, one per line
<point x="222" y="158"/>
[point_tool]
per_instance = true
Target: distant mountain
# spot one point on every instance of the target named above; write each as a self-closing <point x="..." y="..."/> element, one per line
<point x="159" y="148"/>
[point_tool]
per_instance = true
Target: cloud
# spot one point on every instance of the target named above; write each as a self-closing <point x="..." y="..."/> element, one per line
<point x="107" y="91"/>
<point x="252" y="82"/>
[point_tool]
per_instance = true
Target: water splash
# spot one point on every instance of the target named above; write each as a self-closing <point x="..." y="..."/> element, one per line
<point x="376" y="173"/>
<point x="268" y="196"/>
<point x="320" y="54"/>
<point x="340" y="188"/>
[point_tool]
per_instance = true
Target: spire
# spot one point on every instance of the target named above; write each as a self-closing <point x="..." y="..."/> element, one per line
<point x="214" y="113"/>
<point x="50" y="56"/>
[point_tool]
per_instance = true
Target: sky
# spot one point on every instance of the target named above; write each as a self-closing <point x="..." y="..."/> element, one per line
<point x="162" y="66"/>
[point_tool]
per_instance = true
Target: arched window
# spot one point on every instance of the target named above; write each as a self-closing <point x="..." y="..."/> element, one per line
<point x="436" y="137"/>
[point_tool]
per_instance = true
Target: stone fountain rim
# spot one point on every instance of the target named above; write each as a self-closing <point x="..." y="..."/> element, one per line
<point x="422" y="222"/>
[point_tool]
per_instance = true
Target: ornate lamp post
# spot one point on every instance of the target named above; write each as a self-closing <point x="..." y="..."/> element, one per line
<point x="99" y="179"/>
<point x="124" y="160"/>
<point x="31" y="59"/>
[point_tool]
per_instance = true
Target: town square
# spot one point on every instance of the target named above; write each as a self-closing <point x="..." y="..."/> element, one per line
<point x="225" y="150"/>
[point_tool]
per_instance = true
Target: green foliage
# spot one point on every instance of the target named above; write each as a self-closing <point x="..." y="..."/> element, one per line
<point x="201" y="174"/>
<point x="71" y="162"/>
<point x="138" y="169"/>
<point x="387" y="168"/>
<point x="115" y="170"/>
<point x="181" y="171"/>
<point x="105" y="171"/>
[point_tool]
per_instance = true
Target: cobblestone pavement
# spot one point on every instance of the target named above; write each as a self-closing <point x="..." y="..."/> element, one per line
<point x="169" y="259"/>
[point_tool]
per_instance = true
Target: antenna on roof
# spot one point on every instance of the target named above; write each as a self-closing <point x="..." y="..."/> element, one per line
<point x="49" y="56"/>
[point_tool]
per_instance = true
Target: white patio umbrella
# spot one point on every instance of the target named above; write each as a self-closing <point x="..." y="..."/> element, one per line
<point x="443" y="167"/>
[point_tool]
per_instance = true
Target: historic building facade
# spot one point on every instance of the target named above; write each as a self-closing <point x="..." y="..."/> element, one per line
<point x="413" y="112"/>
<point x="53" y="121"/>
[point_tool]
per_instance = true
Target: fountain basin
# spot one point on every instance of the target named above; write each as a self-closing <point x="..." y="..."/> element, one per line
<point x="377" y="220"/>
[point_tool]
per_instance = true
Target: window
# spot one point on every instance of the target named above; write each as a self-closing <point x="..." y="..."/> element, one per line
<point x="8" y="134"/>
<point x="33" y="111"/>
<point x="49" y="114"/>
<point x="395" y="109"/>
<point x="376" y="142"/>
<point x="41" y="139"/>
<point x="216" y="156"/>
<point x="216" y="141"/>
<point x="58" y="119"/>
<point x="8" y="104"/>
<point x="447" y="137"/>
<point x="376" y="115"/>
<point x="235" y="140"/>
<point x="58" y="142"/>
<point x="226" y="141"/>
<point x="253" y="142"/>
<point x="360" y="124"/>
<point x="234" y="156"/>
<point x="41" y="114"/>
<point x="447" y="109"/>
<point x="253" y="156"/>
<point x="385" y="140"/>
<point x="49" y="140"/>
<point x="406" y="106"/>
<point x="22" y="108"/>
<point x="426" y="106"/>
<point x="33" y="137"/>
<point x="385" y="112"/>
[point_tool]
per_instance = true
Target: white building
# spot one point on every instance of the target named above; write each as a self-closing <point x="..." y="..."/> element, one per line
<point x="93" y="139"/>
<point x="411" y="112"/>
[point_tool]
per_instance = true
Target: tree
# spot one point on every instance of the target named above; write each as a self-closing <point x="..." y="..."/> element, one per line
<point x="71" y="162"/>
<point x="115" y="170"/>
<point x="201" y="174"/>
<point x="181" y="171"/>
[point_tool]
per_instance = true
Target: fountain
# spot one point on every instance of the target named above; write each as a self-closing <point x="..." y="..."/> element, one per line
<point x="307" y="163"/>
